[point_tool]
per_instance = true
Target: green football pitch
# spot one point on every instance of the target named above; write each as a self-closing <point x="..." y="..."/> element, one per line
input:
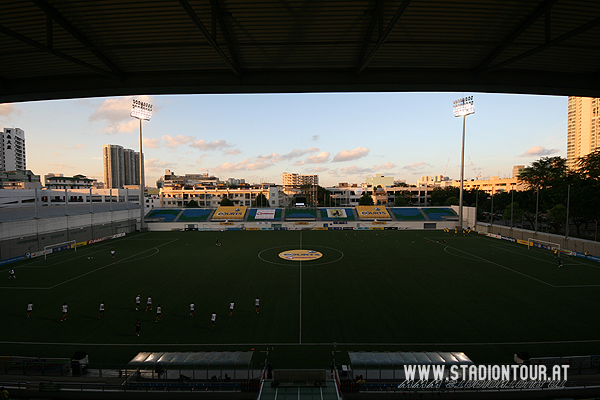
<point x="371" y="291"/>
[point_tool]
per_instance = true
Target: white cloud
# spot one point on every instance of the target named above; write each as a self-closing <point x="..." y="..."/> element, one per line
<point x="349" y="171"/>
<point x="216" y="145"/>
<point x="59" y="165"/>
<point x="116" y="113"/>
<point x="418" y="165"/>
<point x="386" y="166"/>
<point x="233" y="152"/>
<point x="153" y="164"/>
<point x="7" y="109"/>
<point x="348" y="155"/>
<point x="260" y="162"/>
<point x="320" y="158"/>
<point x="173" y="142"/>
<point x="298" y="153"/>
<point x="539" y="151"/>
<point x="151" y="143"/>
<point x="318" y="169"/>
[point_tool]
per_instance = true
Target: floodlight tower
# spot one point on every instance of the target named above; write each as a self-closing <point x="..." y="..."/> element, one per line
<point x="462" y="107"/>
<point x="142" y="111"/>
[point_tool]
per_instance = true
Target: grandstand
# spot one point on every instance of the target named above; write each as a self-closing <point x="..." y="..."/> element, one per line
<point x="407" y="214"/>
<point x="195" y="215"/>
<point x="440" y="214"/>
<point x="262" y="214"/>
<point x="301" y="214"/>
<point x="164" y="214"/>
<point x="337" y="214"/>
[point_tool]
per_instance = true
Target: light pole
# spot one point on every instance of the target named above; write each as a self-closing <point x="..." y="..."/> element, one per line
<point x="462" y="107"/>
<point x="142" y="111"/>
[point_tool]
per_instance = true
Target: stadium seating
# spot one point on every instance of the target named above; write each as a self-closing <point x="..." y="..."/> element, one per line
<point x="307" y="214"/>
<point x="252" y="215"/>
<point x="165" y="215"/>
<point x="439" y="214"/>
<point x="407" y="214"/>
<point x="195" y="215"/>
<point x="349" y="215"/>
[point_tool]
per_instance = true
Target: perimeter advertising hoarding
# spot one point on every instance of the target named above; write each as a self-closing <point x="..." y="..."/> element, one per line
<point x="372" y="212"/>
<point x="230" y="212"/>
<point x="265" y="214"/>
<point x="336" y="213"/>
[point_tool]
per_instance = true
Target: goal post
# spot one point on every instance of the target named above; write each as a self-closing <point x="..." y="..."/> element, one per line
<point x="63" y="246"/>
<point x="542" y="244"/>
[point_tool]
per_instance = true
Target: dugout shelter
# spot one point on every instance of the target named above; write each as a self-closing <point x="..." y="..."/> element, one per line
<point x="389" y="366"/>
<point x="196" y="366"/>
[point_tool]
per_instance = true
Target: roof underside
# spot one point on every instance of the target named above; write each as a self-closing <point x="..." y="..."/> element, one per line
<point x="52" y="49"/>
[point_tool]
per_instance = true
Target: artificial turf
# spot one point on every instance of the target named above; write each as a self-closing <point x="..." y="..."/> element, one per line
<point x="371" y="290"/>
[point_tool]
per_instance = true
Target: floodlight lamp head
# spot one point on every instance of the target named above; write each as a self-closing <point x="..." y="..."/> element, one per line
<point x="141" y="110"/>
<point x="463" y="107"/>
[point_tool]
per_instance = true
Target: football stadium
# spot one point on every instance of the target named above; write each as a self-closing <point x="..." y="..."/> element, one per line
<point x="106" y="301"/>
<point x="345" y="295"/>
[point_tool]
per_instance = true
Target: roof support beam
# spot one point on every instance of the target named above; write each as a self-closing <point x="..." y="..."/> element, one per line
<point x="211" y="41"/>
<point x="537" y="13"/>
<point x="62" y="21"/>
<point x="49" y="32"/>
<point x="384" y="37"/>
<point x="56" y="53"/>
<point x="377" y="14"/>
<point x="219" y="16"/>
<point x="592" y="24"/>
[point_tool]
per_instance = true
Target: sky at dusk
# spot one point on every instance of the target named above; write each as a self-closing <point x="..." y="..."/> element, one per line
<point x="342" y="137"/>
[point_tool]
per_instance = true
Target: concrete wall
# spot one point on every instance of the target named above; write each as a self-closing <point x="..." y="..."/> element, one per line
<point x="21" y="237"/>
<point x="573" y="244"/>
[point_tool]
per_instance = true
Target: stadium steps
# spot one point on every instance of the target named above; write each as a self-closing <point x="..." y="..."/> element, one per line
<point x="390" y="213"/>
<point x="178" y="215"/>
<point x="424" y="214"/>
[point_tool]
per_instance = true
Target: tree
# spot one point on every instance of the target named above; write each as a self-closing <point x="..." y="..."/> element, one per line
<point x="440" y="195"/>
<point x="589" y="166"/>
<point x="192" y="204"/>
<point x="226" y="202"/>
<point x="402" y="199"/>
<point x="517" y="213"/>
<point x="558" y="215"/>
<point x="544" y="172"/>
<point x="261" y="201"/>
<point x="451" y="201"/>
<point x="365" y="200"/>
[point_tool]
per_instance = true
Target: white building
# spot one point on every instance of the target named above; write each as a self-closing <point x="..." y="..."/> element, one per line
<point x="58" y="181"/>
<point x="58" y="197"/>
<point x="212" y="196"/>
<point x="121" y="166"/>
<point x="432" y="180"/>
<point x="293" y="180"/>
<point x="13" y="150"/>
<point x="380" y="180"/>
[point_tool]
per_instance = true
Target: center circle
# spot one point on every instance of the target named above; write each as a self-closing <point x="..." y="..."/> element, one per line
<point x="263" y="255"/>
<point x="300" y="255"/>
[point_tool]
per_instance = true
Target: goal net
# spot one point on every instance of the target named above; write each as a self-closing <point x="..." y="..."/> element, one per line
<point x="541" y="244"/>
<point x="71" y="244"/>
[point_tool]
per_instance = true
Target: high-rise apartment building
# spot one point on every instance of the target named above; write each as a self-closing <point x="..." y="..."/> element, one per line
<point x="582" y="128"/>
<point x="297" y="180"/>
<point x="121" y="166"/>
<point x="12" y="142"/>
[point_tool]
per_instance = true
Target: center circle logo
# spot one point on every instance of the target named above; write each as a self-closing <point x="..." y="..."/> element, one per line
<point x="300" y="255"/>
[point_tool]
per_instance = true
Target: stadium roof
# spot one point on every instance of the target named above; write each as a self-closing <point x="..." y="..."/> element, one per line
<point x="53" y="49"/>
<point x="26" y="213"/>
